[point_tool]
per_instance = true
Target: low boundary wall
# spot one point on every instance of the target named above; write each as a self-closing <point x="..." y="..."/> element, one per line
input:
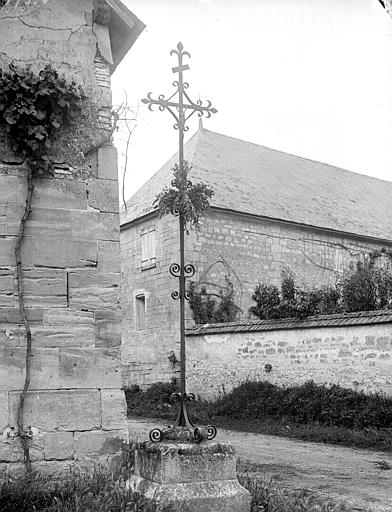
<point x="353" y="350"/>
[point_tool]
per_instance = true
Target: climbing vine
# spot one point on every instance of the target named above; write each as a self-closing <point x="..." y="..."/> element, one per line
<point x="33" y="109"/>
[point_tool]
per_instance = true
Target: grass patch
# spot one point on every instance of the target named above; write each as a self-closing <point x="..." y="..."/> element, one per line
<point x="103" y="491"/>
<point x="96" y="491"/>
<point x="270" y="497"/>
<point x="327" y="414"/>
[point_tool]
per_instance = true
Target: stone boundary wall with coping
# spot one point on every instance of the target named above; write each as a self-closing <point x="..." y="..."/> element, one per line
<point x="246" y="249"/>
<point x="353" y="350"/>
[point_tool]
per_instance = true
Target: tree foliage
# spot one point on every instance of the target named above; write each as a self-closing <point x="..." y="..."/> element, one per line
<point x="363" y="287"/>
<point x="290" y="301"/>
<point x="367" y="288"/>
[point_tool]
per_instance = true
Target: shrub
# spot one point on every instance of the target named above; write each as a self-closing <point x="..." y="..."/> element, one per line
<point x="367" y="288"/>
<point x="306" y="403"/>
<point x="291" y="301"/>
<point x="328" y="300"/>
<point x="327" y="414"/>
<point x="250" y="400"/>
<point x="384" y="287"/>
<point x="288" y="287"/>
<point x="227" y="310"/>
<point x="359" y="289"/>
<point x="303" y="404"/>
<point x="156" y="398"/>
<point x="363" y="288"/>
<point x="202" y="305"/>
<point x="206" y="309"/>
<point x="267" y="302"/>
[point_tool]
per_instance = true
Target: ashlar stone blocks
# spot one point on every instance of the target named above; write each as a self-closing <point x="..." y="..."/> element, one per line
<point x="107" y="163"/>
<point x="4" y="411"/>
<point x="55" y="410"/>
<point x="193" y="477"/>
<point x="113" y="409"/>
<point x="44" y="368"/>
<point x="70" y="257"/>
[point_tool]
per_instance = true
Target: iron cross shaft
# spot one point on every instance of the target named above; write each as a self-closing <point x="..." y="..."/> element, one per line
<point x="181" y="107"/>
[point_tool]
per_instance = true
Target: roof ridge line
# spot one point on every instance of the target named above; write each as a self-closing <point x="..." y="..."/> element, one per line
<point x="295" y="156"/>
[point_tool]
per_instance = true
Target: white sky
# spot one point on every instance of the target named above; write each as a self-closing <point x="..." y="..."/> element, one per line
<point x="309" y="77"/>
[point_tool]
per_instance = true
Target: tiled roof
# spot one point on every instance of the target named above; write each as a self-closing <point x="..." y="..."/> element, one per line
<point x="360" y="318"/>
<point x="262" y="181"/>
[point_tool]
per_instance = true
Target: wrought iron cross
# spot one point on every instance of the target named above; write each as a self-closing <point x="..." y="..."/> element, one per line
<point x="181" y="110"/>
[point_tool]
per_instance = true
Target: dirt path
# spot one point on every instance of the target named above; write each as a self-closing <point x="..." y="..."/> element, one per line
<point x="349" y="474"/>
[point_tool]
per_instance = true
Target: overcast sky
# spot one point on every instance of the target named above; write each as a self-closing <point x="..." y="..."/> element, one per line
<point x="309" y="77"/>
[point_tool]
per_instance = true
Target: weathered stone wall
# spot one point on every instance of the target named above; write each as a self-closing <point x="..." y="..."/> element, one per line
<point x="71" y="260"/>
<point x="145" y="350"/>
<point x="41" y="32"/>
<point x="246" y="249"/>
<point x="71" y="279"/>
<point x="357" y="357"/>
<point x="250" y="250"/>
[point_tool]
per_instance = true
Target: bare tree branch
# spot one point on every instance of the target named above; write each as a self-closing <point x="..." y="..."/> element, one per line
<point x="130" y="132"/>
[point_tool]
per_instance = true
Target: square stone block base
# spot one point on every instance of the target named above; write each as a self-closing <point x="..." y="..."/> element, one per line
<point x="190" y="477"/>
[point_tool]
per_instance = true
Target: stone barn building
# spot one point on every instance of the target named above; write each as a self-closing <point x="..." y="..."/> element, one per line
<point x="74" y="408"/>
<point x="270" y="211"/>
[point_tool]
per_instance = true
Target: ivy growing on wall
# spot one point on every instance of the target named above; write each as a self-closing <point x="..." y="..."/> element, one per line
<point x="33" y="110"/>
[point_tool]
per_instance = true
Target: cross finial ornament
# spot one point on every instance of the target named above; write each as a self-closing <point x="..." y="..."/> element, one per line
<point x="184" y="107"/>
<point x="181" y="107"/>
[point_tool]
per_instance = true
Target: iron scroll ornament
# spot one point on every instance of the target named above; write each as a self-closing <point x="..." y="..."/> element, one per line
<point x="183" y="430"/>
<point x="197" y="435"/>
<point x="175" y="271"/>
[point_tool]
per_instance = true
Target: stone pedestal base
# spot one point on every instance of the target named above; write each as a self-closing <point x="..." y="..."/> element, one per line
<point x="190" y="477"/>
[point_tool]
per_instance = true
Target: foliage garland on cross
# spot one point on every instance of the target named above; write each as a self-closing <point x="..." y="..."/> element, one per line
<point x="184" y="198"/>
